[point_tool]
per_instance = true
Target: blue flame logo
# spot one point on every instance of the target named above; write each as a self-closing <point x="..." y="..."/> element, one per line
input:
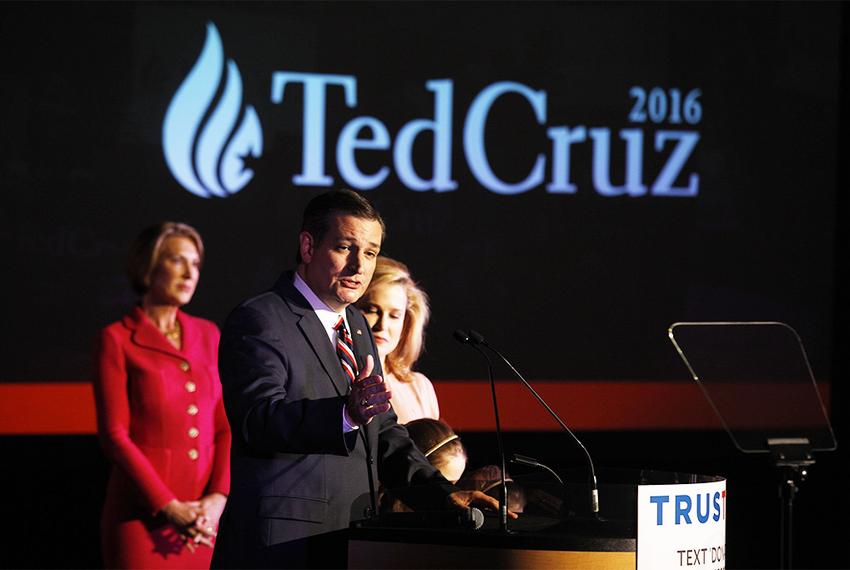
<point x="208" y="156"/>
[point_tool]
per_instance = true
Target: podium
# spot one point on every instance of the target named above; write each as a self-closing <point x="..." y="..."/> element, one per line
<point x="756" y="376"/>
<point x="555" y="528"/>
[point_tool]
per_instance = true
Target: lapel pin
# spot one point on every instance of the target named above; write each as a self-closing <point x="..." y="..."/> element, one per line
<point x="358" y="331"/>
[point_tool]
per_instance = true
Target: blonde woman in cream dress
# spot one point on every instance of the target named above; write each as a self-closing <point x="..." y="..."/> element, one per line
<point x="397" y="311"/>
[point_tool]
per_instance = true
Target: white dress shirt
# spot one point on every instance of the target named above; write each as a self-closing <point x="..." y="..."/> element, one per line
<point x="329" y="318"/>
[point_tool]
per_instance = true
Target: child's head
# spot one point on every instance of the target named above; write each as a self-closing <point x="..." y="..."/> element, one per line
<point x="440" y="444"/>
<point x="488" y="480"/>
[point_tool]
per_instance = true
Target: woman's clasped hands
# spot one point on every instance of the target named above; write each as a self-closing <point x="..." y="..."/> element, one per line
<point x="196" y="521"/>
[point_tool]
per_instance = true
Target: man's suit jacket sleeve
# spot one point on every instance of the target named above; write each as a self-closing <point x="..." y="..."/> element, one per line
<point x="405" y="471"/>
<point x="256" y="370"/>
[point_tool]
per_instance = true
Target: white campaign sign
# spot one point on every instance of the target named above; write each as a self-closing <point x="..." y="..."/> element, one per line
<point x="682" y="526"/>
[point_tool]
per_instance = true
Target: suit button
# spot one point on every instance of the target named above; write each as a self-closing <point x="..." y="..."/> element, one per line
<point x="184" y="366"/>
<point x="193" y="432"/>
<point x="190" y="386"/>
<point x="192" y="410"/>
<point x="193" y="454"/>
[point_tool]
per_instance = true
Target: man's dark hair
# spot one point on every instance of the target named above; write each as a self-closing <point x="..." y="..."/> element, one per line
<point x="320" y="210"/>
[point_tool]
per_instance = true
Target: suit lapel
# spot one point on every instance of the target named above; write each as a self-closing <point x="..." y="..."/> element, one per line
<point x="321" y="344"/>
<point x="312" y="329"/>
<point x="361" y="339"/>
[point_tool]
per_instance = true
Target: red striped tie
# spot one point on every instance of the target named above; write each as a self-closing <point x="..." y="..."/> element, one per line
<point x="345" y="350"/>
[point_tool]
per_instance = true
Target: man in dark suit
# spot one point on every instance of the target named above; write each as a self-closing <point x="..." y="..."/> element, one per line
<point x="313" y="429"/>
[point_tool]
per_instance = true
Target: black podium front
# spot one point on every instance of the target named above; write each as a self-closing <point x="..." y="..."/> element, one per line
<point x="555" y="530"/>
<point x="558" y="547"/>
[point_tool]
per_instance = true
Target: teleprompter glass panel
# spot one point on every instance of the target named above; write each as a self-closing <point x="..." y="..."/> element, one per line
<point x="757" y="377"/>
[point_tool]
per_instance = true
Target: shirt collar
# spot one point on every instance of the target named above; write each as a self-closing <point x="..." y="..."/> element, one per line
<point x="327" y="316"/>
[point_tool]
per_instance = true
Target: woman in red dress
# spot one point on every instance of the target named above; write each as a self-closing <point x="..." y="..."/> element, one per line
<point x="160" y="414"/>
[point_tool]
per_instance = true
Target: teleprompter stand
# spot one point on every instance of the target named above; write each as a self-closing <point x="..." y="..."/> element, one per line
<point x="757" y="377"/>
<point x="792" y="458"/>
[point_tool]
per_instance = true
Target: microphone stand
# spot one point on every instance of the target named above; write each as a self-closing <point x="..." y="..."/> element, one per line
<point x="503" y="496"/>
<point x="370" y="461"/>
<point x="476" y="339"/>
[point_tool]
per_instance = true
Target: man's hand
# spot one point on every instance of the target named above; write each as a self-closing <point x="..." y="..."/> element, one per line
<point x="464" y="499"/>
<point x="369" y="395"/>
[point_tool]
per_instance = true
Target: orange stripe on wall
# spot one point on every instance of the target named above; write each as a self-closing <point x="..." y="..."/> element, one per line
<point x="50" y="408"/>
<point x="596" y="405"/>
<point x="47" y="408"/>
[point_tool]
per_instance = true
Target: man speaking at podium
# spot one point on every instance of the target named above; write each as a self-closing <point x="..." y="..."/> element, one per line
<point x="311" y="418"/>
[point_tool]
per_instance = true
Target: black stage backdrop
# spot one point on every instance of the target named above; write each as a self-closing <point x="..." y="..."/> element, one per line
<point x="590" y="173"/>
<point x="567" y="178"/>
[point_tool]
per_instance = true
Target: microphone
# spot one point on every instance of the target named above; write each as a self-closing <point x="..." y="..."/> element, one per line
<point x="466" y="338"/>
<point x="531" y="462"/>
<point x="462" y="336"/>
<point x="475" y="339"/>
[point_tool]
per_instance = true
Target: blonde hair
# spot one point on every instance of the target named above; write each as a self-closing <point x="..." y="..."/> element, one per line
<point x="437" y="440"/>
<point x="412" y="342"/>
<point x="145" y="251"/>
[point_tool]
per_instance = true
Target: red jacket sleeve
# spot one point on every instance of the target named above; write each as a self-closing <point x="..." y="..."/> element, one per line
<point x="220" y="478"/>
<point x="113" y="423"/>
